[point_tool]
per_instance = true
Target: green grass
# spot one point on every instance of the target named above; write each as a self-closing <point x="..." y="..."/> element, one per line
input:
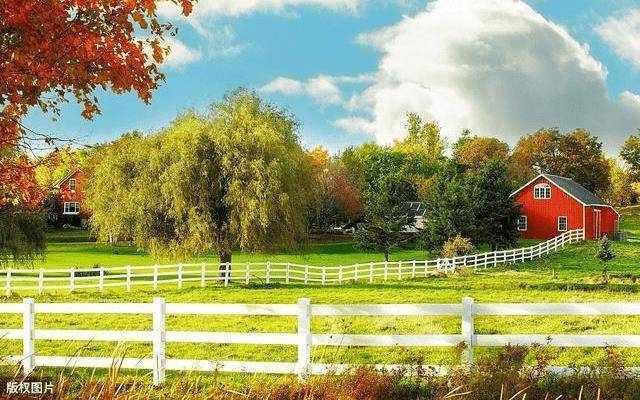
<point x="630" y="221"/>
<point x="68" y="235"/>
<point x="578" y="279"/>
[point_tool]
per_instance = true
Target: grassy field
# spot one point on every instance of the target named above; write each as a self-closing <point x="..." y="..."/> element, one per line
<point x="578" y="278"/>
<point x="630" y="221"/>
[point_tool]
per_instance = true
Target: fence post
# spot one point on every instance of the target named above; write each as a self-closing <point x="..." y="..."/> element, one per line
<point x="128" y="278"/>
<point x="324" y="274"/>
<point x="306" y="274"/>
<point x="386" y="270"/>
<point x="268" y="272"/>
<point x="8" y="283"/>
<point x="413" y="269"/>
<point x="371" y="272"/>
<point x="155" y="277"/>
<point x="247" y="272"/>
<point x="180" y="276"/>
<point x="203" y="268"/>
<point x="356" y="276"/>
<point x="101" y="282"/>
<point x="41" y="281"/>
<point x="72" y="279"/>
<point x="287" y="277"/>
<point x="467" y="329"/>
<point x="340" y="274"/>
<point x="29" y="336"/>
<point x="399" y="270"/>
<point x="227" y="272"/>
<point x="159" y="340"/>
<point x="304" y="338"/>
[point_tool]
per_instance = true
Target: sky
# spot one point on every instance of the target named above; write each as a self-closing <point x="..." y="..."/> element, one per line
<point x="350" y="70"/>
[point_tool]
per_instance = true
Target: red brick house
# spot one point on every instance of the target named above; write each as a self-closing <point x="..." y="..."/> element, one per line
<point x="553" y="204"/>
<point x="70" y="196"/>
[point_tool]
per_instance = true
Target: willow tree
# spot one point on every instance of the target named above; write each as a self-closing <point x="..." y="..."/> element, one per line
<point x="234" y="178"/>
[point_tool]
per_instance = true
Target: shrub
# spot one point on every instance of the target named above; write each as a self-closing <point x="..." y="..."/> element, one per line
<point x="457" y="246"/>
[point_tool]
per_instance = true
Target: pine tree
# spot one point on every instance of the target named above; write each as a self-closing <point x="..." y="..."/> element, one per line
<point x="496" y="215"/>
<point x="449" y="211"/>
<point x="605" y="253"/>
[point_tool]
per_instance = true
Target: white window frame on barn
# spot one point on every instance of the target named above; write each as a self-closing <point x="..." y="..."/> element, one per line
<point x="72" y="184"/>
<point x="542" y="191"/>
<point x="68" y="208"/>
<point x="566" y="223"/>
<point x="526" y="223"/>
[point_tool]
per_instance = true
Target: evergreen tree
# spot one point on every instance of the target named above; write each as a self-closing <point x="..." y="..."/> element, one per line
<point x="387" y="188"/>
<point x="496" y="215"/>
<point x="605" y="253"/>
<point x="449" y="211"/>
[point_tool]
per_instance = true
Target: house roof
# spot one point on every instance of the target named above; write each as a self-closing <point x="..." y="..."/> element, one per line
<point x="576" y="190"/>
<point x="63" y="180"/>
<point x="416" y="208"/>
<point x="572" y="188"/>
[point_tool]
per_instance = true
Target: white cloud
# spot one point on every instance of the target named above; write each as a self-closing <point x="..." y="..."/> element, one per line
<point x="496" y="67"/>
<point x="283" y="85"/>
<point x="213" y="8"/>
<point x="623" y="35"/>
<point x="324" y="89"/>
<point x="180" y="54"/>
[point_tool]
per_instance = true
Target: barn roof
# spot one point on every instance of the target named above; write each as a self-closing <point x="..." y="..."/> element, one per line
<point x="576" y="190"/>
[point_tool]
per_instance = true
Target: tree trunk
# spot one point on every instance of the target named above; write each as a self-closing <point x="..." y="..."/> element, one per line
<point x="225" y="257"/>
<point x="386" y="255"/>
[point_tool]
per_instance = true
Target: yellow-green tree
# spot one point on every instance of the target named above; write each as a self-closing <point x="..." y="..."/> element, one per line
<point x="236" y="178"/>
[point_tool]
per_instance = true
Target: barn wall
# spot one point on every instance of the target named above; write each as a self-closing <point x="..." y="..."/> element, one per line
<point x="542" y="214"/>
<point x="608" y="224"/>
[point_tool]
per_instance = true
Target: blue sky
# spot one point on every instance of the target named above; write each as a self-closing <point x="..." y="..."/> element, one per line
<point x="350" y="69"/>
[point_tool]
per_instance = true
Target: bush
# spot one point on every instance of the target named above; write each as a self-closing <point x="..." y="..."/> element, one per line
<point x="457" y="246"/>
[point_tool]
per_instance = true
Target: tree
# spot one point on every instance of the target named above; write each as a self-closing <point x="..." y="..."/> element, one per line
<point x="51" y="49"/>
<point x="236" y="178"/>
<point x="577" y="155"/>
<point x="386" y="191"/>
<point x="21" y="222"/>
<point x="630" y="153"/>
<point x="605" y="253"/>
<point x="621" y="191"/>
<point x="423" y="138"/>
<point x="495" y="213"/>
<point x="449" y="211"/>
<point x="474" y="153"/>
<point x="56" y="164"/>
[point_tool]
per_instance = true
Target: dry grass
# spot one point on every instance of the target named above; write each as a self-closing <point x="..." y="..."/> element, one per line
<point x="503" y="376"/>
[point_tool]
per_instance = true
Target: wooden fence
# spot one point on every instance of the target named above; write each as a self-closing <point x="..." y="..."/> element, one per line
<point x="266" y="272"/>
<point x="304" y="339"/>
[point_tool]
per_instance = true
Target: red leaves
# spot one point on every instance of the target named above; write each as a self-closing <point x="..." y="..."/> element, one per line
<point x="55" y="48"/>
<point x="18" y="185"/>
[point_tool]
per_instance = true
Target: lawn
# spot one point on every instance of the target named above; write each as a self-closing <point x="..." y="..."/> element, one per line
<point x="630" y="221"/>
<point x="578" y="278"/>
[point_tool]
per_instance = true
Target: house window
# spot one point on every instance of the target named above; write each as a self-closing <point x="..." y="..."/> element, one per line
<point x="72" y="207"/>
<point x="562" y="224"/>
<point x="522" y="223"/>
<point x="542" y="191"/>
<point x="72" y="184"/>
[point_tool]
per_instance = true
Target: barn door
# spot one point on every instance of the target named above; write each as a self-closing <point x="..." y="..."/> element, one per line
<point x="597" y="223"/>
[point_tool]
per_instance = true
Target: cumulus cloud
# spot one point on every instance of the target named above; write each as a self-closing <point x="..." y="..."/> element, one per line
<point x="283" y="85"/>
<point x="180" y="54"/>
<point x="623" y="35"/>
<point x="213" y="8"/>
<point x="323" y="89"/>
<point x="496" y="67"/>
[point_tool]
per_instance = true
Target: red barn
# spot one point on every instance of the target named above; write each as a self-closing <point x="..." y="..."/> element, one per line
<point x="553" y="204"/>
<point x="70" y="191"/>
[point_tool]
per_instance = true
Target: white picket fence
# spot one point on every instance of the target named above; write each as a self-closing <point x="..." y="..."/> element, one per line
<point x="304" y="339"/>
<point x="266" y="272"/>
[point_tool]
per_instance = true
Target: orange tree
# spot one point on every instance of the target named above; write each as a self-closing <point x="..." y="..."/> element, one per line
<point x="51" y="50"/>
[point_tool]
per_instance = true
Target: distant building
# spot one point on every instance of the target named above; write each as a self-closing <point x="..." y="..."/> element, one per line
<point x="70" y="197"/>
<point x="418" y="210"/>
<point x="553" y="204"/>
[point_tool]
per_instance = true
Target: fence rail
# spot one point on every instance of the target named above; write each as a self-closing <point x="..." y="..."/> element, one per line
<point x="266" y="272"/>
<point x="304" y="339"/>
